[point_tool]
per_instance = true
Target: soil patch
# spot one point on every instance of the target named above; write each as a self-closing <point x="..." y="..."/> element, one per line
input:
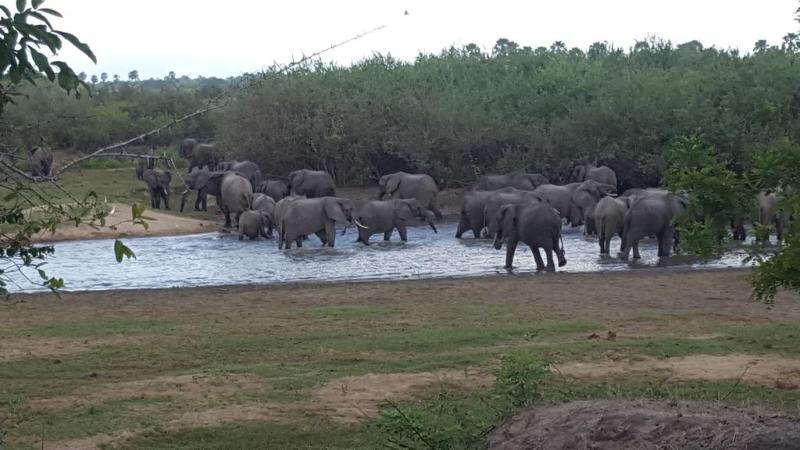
<point x="352" y="399"/>
<point x="773" y="371"/>
<point x="30" y="347"/>
<point x="163" y="224"/>
<point x="639" y="424"/>
<point x="195" y="388"/>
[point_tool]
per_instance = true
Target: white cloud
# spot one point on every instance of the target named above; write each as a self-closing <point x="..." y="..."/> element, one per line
<point x="219" y="38"/>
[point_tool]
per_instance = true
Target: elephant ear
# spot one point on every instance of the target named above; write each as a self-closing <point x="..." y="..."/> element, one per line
<point x="507" y="212"/>
<point x="295" y="180"/>
<point x="405" y="209"/>
<point x="392" y="183"/>
<point x="334" y="210"/>
<point x="579" y="173"/>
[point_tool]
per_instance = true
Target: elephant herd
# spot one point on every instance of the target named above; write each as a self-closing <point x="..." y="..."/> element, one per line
<point x="512" y="208"/>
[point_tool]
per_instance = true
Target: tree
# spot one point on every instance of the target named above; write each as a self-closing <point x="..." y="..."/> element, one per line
<point x="171" y="76"/>
<point x="504" y="47"/>
<point x="133" y="75"/>
<point x="94" y="79"/>
<point x="103" y="77"/>
<point x="760" y="46"/>
<point x="116" y="78"/>
<point x="82" y="76"/>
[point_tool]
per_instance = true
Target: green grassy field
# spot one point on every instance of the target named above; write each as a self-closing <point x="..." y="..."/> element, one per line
<point x="311" y="366"/>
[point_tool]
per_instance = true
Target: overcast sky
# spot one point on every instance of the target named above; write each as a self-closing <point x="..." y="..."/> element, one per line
<point x="225" y="38"/>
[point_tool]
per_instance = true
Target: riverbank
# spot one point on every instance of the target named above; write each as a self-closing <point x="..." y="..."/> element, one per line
<point x="311" y="365"/>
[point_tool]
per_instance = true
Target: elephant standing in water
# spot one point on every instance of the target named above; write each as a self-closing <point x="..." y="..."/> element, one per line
<point x="158" y="185"/>
<point x="404" y="185"/>
<point x="383" y="216"/>
<point x="609" y="217"/>
<point x="276" y="189"/>
<point x="538" y="225"/>
<point x="248" y="169"/>
<point x="472" y="209"/>
<point x="264" y="204"/>
<point x="234" y="192"/>
<point x="311" y="183"/>
<point x="602" y="174"/>
<point x="298" y="217"/>
<point x="768" y="213"/>
<point x="253" y="225"/>
<point x="518" y="180"/>
<point x="40" y="162"/>
<point x="651" y="214"/>
<point x="497" y="200"/>
<point x="585" y="198"/>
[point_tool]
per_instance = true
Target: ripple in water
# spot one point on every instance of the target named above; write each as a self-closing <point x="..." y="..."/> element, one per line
<point x="221" y="259"/>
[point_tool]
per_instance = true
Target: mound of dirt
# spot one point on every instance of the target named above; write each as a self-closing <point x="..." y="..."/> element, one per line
<point x="644" y="424"/>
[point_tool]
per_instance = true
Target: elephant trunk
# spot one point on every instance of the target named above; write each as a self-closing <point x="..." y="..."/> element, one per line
<point x="430" y="217"/>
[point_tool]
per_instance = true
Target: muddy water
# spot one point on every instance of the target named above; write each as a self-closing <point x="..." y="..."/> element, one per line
<point x="221" y="259"/>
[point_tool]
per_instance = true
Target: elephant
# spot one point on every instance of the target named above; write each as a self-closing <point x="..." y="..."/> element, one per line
<point x="252" y="224"/>
<point x="472" y="208"/>
<point x="561" y="198"/>
<point x="187" y="148"/>
<point x="404" y="185"/>
<point x="519" y="180"/>
<point x="198" y="181"/>
<point x="538" y="225"/>
<point x="311" y="183"/>
<point x="158" y="185"/>
<point x="299" y="217"/>
<point x="609" y="216"/>
<point x="652" y="214"/>
<point x="383" y="216"/>
<point x="236" y="193"/>
<point x="496" y="201"/>
<point x="40" y="162"/>
<point x="265" y="204"/>
<point x="585" y="198"/>
<point x="144" y="164"/>
<point x="276" y="189"/>
<point x="203" y="155"/>
<point x="602" y="174"/>
<point x="768" y="213"/>
<point x="248" y="169"/>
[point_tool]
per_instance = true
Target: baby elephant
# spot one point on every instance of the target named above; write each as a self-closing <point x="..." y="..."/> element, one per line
<point x="158" y="184"/>
<point x="538" y="225"/>
<point x="266" y="206"/>
<point x="383" y="216"/>
<point x="252" y="224"/>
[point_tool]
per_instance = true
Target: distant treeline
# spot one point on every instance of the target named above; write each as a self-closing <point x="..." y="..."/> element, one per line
<point x="463" y="112"/>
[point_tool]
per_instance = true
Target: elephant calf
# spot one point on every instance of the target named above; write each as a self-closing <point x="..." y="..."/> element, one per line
<point x="252" y="224"/>
<point x="158" y="185"/>
<point x="383" y="216"/>
<point x="609" y="216"/>
<point x="538" y="225"/>
<point x="266" y="206"/>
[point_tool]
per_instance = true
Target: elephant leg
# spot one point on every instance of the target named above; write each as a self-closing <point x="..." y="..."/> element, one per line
<point x="667" y="241"/>
<point x="551" y="265"/>
<point x="322" y="237"/>
<point x="538" y="258"/>
<point x="511" y="247"/>
<point x="166" y="200"/>
<point x="462" y="227"/>
<point x="779" y="228"/>
<point x="476" y="233"/>
<point x="387" y="235"/>
<point x="330" y="233"/>
<point x="227" y="219"/>
<point x="401" y="229"/>
<point x="636" y="254"/>
<point x="299" y="241"/>
<point x="363" y="236"/>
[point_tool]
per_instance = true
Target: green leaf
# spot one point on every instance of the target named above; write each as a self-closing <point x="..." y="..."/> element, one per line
<point x="43" y="64"/>
<point x="42" y="18"/>
<point x="121" y="250"/>
<point x="78" y="44"/>
<point x="137" y="210"/>
<point x="5" y="11"/>
<point x="52" y="12"/>
<point x="37" y="3"/>
<point x="42" y="274"/>
<point x="21" y="5"/>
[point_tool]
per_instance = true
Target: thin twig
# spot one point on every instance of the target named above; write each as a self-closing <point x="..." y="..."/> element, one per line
<point x="738" y="380"/>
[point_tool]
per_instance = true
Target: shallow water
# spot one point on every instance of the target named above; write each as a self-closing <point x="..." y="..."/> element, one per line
<point x="221" y="259"/>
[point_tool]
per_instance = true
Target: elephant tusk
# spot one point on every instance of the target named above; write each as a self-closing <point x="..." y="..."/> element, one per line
<point x="359" y="224"/>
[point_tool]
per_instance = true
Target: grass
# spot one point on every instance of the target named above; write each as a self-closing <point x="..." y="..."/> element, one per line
<point x="295" y="339"/>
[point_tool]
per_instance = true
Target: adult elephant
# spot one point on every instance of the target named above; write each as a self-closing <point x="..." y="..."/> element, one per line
<point x="609" y="217"/>
<point x="768" y="213"/>
<point x="518" y="180"/>
<point x="404" y="185"/>
<point x="234" y="192"/>
<point x="265" y="205"/>
<point x="384" y="216"/>
<point x="311" y="183"/>
<point x="305" y="216"/>
<point x="204" y="155"/>
<point x="157" y="182"/>
<point x="560" y="198"/>
<point x="496" y="201"/>
<point x="602" y="174"/>
<point x="652" y="214"/>
<point x="538" y="225"/>
<point x="248" y="169"/>
<point x="253" y="225"/>
<point x="276" y="189"/>
<point x="144" y="164"/>
<point x="40" y="162"/>
<point x="472" y="208"/>
<point x="198" y="181"/>
<point x="585" y="198"/>
<point x="187" y="147"/>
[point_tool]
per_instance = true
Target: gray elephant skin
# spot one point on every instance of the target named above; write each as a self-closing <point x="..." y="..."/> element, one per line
<point x="496" y="201"/>
<point x="609" y="217"/>
<point x="203" y="155"/>
<point x="144" y="164"/>
<point x="265" y="204"/>
<point x="252" y="224"/>
<point x="518" y="180"/>
<point x="768" y="213"/>
<point x="404" y="185"/>
<point x="276" y="189"/>
<point x="40" y="162"/>
<point x="234" y="192"/>
<point x="198" y="181"/>
<point x="652" y="214"/>
<point x="585" y="198"/>
<point x="537" y="225"/>
<point x="187" y="147"/>
<point x="602" y="174"/>
<point x="157" y="182"/>
<point x="311" y="183"/>
<point x="298" y="217"/>
<point x="472" y="208"/>
<point x="248" y="169"/>
<point x="560" y="198"/>
<point x="384" y="216"/>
